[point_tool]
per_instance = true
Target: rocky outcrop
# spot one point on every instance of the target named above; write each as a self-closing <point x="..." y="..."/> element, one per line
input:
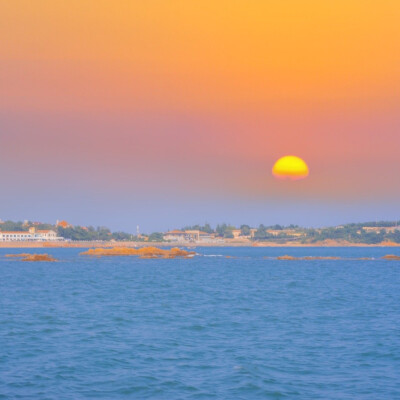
<point x="144" y="252"/>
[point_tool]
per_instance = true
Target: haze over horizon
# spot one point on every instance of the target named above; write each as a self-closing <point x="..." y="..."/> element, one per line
<point x="165" y="114"/>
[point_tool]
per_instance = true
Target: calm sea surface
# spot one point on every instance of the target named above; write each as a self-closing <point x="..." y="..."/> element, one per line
<point x="205" y="328"/>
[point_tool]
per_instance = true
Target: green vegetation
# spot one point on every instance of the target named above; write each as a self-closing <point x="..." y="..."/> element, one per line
<point x="204" y="228"/>
<point x="353" y="233"/>
<point x="225" y="231"/>
<point x="89" y="233"/>
<point x="156" y="237"/>
<point x="245" y="230"/>
<point x="13" y="226"/>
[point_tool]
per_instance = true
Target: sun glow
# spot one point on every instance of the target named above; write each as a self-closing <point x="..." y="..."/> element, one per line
<point x="290" y="167"/>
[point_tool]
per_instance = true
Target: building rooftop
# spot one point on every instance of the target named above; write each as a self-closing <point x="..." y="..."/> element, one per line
<point x="63" y="224"/>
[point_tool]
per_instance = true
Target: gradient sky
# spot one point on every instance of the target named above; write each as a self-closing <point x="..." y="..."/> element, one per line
<point x="164" y="113"/>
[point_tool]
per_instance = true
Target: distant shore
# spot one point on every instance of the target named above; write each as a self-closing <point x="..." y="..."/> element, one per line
<point x="87" y="244"/>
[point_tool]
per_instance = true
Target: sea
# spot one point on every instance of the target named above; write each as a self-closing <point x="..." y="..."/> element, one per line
<point x="230" y="323"/>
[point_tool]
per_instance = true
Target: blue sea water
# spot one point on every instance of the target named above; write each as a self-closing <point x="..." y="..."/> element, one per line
<point x="210" y="327"/>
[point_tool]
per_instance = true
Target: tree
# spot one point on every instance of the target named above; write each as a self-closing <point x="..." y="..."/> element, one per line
<point x="245" y="230"/>
<point x="220" y="229"/>
<point x="121" y="236"/>
<point x="395" y="236"/>
<point x="45" y="226"/>
<point x="13" y="226"/>
<point x="156" y="237"/>
<point x="206" y="228"/>
<point x="261" y="232"/>
<point x="228" y="234"/>
<point x="277" y="227"/>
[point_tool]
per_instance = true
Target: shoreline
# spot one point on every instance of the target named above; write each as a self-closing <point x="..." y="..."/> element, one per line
<point x="81" y="244"/>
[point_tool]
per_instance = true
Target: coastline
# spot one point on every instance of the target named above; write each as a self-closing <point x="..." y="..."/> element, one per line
<point x="91" y="244"/>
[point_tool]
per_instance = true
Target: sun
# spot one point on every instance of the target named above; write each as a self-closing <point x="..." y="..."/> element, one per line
<point x="290" y="167"/>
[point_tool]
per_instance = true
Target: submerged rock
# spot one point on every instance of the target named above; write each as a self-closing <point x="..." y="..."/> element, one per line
<point x="391" y="257"/>
<point x="307" y="258"/>
<point x="39" y="257"/>
<point x="287" y="258"/>
<point x="32" y="257"/>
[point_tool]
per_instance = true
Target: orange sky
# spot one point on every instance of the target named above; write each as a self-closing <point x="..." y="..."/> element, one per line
<point x="226" y="86"/>
<point x="208" y="55"/>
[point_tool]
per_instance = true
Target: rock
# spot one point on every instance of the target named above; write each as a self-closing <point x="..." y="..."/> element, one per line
<point x="287" y="258"/>
<point x="307" y="258"/>
<point x="391" y="257"/>
<point x="39" y="257"/>
<point x="144" y="252"/>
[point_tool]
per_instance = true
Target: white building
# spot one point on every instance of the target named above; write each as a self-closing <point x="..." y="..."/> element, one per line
<point x="175" y="236"/>
<point x="31" y="235"/>
<point x="189" y="236"/>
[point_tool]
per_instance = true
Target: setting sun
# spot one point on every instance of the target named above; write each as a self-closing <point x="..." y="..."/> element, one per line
<point x="290" y="167"/>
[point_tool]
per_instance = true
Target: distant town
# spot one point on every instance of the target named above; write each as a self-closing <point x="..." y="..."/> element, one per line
<point x="383" y="232"/>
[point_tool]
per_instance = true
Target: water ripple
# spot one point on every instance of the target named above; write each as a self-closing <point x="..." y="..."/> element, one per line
<point x="249" y="327"/>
